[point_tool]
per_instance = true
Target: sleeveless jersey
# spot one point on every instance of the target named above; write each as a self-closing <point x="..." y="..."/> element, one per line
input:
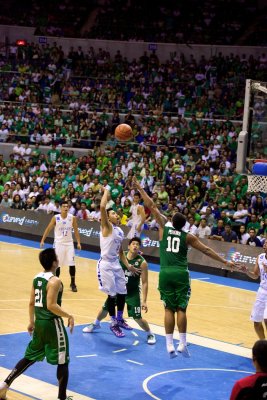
<point x="136" y="218"/>
<point x="63" y="230"/>
<point x="110" y="245"/>
<point x="173" y="248"/>
<point x="132" y="281"/>
<point x="262" y="262"/>
<point x="40" y="306"/>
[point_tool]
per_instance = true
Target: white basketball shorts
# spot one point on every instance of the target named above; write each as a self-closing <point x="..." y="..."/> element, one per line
<point x="111" y="277"/>
<point x="259" y="310"/>
<point x="65" y="254"/>
<point x="133" y="232"/>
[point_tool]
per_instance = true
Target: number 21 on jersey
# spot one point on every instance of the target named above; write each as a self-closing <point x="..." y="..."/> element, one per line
<point x="173" y="244"/>
<point x="38" y="298"/>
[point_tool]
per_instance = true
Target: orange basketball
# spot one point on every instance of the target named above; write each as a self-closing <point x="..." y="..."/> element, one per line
<point x="123" y="132"/>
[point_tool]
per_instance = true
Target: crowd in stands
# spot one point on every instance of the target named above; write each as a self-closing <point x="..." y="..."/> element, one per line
<point x="220" y="22"/>
<point x="64" y="18"/>
<point x="207" y="88"/>
<point x="205" y="22"/>
<point x="181" y="153"/>
<point x="198" y="181"/>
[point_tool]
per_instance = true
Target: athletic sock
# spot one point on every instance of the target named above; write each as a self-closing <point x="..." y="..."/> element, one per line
<point x="20" y="367"/>
<point x="169" y="339"/>
<point x="72" y="271"/>
<point x="62" y="376"/>
<point x="119" y="315"/>
<point x="97" y="322"/>
<point x="113" y="321"/>
<point x="182" y="338"/>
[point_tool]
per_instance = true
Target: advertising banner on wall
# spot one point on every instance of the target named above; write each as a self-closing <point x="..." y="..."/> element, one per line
<point x="33" y="223"/>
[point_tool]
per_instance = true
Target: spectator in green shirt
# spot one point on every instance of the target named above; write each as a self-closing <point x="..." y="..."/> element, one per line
<point x="116" y="190"/>
<point x="254" y="223"/>
<point x="52" y="155"/>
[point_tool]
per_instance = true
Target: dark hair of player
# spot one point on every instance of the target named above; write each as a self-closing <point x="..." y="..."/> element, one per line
<point x="259" y="353"/>
<point x="135" y="239"/>
<point x="178" y="221"/>
<point x="47" y="257"/>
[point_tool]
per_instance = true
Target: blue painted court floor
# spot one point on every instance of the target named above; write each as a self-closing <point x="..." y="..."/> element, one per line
<point x="105" y="367"/>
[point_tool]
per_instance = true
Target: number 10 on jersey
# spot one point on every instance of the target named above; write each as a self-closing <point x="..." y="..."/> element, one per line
<point x="173" y="244"/>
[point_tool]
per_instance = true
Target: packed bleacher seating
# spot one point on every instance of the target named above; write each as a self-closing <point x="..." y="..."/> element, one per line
<point x="185" y="115"/>
<point x="206" y="22"/>
<point x="50" y="18"/>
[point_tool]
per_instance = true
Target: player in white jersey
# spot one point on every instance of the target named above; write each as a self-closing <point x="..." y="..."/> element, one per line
<point x="137" y="219"/>
<point x="110" y="275"/>
<point x="63" y="224"/>
<point x="259" y="310"/>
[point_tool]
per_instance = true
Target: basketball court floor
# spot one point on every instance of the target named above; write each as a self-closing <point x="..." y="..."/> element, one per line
<point x="104" y="367"/>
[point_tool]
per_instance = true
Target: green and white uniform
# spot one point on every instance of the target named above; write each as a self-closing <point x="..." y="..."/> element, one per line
<point x="50" y="338"/>
<point x="133" y="297"/>
<point x="174" y="279"/>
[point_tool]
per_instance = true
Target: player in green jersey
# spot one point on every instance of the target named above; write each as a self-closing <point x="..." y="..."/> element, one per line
<point x="174" y="279"/>
<point x="50" y="338"/>
<point x="133" y="298"/>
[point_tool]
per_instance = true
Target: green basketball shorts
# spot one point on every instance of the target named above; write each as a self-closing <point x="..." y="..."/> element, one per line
<point x="49" y="340"/>
<point x="174" y="287"/>
<point x="133" y="302"/>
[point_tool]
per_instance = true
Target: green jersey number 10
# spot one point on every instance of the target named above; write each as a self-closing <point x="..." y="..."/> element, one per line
<point x="173" y="244"/>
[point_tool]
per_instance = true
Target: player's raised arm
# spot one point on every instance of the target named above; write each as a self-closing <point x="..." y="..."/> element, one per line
<point x="76" y="233"/>
<point x="197" y="244"/>
<point x="105" y="224"/>
<point x="49" y="227"/>
<point x="161" y="219"/>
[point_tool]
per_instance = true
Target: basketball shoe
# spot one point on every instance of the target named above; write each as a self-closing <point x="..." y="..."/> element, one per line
<point x="123" y="324"/>
<point x="182" y="348"/>
<point x="91" y="328"/>
<point x="3" y="390"/>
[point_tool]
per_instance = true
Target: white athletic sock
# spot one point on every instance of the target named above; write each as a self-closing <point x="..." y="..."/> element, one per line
<point x="97" y="322"/>
<point x="182" y="338"/>
<point x="169" y="339"/>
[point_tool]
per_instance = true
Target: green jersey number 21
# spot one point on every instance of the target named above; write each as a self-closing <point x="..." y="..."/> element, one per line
<point x="38" y="298"/>
<point x="173" y="244"/>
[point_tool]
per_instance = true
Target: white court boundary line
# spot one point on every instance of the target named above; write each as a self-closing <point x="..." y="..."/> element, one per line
<point x="33" y="387"/>
<point x="201" y="341"/>
<point x="149" y="378"/>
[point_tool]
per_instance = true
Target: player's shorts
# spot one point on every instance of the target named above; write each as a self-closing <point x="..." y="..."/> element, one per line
<point x="174" y="287"/>
<point x="259" y="310"/>
<point x="49" y="340"/>
<point x="133" y="232"/>
<point x="111" y="277"/>
<point x="133" y="303"/>
<point x="65" y="254"/>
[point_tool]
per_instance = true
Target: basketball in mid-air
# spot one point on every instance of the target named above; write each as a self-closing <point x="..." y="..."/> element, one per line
<point x="123" y="132"/>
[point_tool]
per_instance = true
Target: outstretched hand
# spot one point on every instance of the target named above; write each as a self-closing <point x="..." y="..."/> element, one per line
<point x="134" y="271"/>
<point x="136" y="184"/>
